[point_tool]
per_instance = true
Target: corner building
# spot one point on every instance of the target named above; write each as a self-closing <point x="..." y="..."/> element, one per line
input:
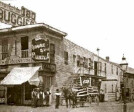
<point x="58" y="58"/>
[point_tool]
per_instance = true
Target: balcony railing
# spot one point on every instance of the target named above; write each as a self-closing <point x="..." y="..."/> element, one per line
<point x="24" y="53"/>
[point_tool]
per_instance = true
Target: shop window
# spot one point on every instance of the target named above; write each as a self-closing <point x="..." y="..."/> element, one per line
<point x="66" y="57"/>
<point x="52" y="53"/>
<point x="24" y="47"/>
<point x="4" y="49"/>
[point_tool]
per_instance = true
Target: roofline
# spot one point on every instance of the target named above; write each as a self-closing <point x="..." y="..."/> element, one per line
<point x="33" y="26"/>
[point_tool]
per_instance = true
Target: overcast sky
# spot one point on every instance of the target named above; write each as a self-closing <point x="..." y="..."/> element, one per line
<point x="104" y="24"/>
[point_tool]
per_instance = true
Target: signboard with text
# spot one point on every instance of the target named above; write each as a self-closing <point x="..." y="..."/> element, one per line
<point x="15" y="61"/>
<point x="16" y="17"/>
<point x="40" y="48"/>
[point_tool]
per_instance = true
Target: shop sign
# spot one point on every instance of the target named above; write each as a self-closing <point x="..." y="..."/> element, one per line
<point x="2" y="100"/>
<point x="15" y="61"/>
<point x="40" y="48"/>
<point x="16" y="17"/>
<point x="49" y="67"/>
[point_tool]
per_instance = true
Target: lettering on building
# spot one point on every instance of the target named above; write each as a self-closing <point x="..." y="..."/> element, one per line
<point x="47" y="67"/>
<point x="40" y="48"/>
<point x="16" y="61"/>
<point x="16" y="17"/>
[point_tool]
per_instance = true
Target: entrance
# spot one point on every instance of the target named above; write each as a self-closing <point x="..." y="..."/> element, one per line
<point x="14" y="95"/>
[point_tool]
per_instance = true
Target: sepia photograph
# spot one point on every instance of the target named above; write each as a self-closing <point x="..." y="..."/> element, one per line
<point x="66" y="56"/>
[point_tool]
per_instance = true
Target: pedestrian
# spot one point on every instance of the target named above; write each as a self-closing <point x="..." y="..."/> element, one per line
<point x="38" y="96"/>
<point x="41" y="97"/>
<point x="47" y="93"/>
<point x="57" y="94"/>
<point x="34" y="98"/>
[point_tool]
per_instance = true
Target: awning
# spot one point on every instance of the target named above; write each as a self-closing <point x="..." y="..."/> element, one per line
<point x="19" y="75"/>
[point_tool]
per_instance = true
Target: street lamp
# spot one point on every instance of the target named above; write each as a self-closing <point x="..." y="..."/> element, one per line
<point x="124" y="66"/>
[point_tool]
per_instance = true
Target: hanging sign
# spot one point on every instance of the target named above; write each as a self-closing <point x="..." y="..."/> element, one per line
<point x="16" y="17"/>
<point x="40" y="48"/>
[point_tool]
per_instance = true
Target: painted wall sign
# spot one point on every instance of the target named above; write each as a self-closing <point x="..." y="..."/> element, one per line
<point x="40" y="48"/>
<point x="16" y="17"/>
<point x="15" y="61"/>
<point x="47" y="67"/>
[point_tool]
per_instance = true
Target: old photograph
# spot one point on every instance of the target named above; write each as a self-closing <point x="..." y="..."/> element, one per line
<point x="66" y="56"/>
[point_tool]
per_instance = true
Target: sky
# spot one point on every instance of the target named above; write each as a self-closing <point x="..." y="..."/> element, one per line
<point x="104" y="24"/>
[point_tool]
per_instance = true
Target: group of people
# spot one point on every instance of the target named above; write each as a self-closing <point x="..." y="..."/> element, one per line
<point x="39" y="96"/>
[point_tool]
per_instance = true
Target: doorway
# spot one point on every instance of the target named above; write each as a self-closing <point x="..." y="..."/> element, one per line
<point x="14" y="95"/>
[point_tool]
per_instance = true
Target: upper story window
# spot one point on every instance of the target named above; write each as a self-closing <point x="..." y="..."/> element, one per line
<point x="112" y="69"/>
<point x="66" y="57"/>
<point x="78" y="60"/>
<point x="117" y="71"/>
<point x="100" y="65"/>
<point x="52" y="53"/>
<point x="74" y="58"/>
<point x="24" y="47"/>
<point x="105" y="68"/>
<point x="85" y="62"/>
<point x="4" y="48"/>
<point x="90" y="63"/>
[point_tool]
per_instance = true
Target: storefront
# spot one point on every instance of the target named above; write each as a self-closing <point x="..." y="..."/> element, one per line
<point x="19" y="84"/>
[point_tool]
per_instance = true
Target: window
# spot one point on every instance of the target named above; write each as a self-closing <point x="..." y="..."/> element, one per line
<point x="78" y="60"/>
<point x="66" y="57"/>
<point x="85" y="62"/>
<point x="100" y="66"/>
<point x="74" y="58"/>
<point x="4" y="49"/>
<point x="24" y="47"/>
<point x="117" y="71"/>
<point x="112" y="69"/>
<point x="95" y="67"/>
<point x="105" y="68"/>
<point x="52" y="53"/>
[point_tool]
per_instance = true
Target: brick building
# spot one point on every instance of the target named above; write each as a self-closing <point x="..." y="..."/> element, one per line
<point x="59" y="59"/>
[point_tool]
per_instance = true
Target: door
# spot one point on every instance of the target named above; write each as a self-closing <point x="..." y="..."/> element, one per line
<point x="14" y="95"/>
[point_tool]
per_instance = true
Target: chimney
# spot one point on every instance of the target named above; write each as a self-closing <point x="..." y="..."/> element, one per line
<point x="107" y="58"/>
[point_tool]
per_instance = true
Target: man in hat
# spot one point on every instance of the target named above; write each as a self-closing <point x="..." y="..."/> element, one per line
<point x="34" y="98"/>
<point x="58" y="94"/>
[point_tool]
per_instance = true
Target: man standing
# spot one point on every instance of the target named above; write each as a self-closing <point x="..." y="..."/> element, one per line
<point x="41" y="97"/>
<point x="34" y="98"/>
<point x="47" y="93"/>
<point x="58" y="94"/>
